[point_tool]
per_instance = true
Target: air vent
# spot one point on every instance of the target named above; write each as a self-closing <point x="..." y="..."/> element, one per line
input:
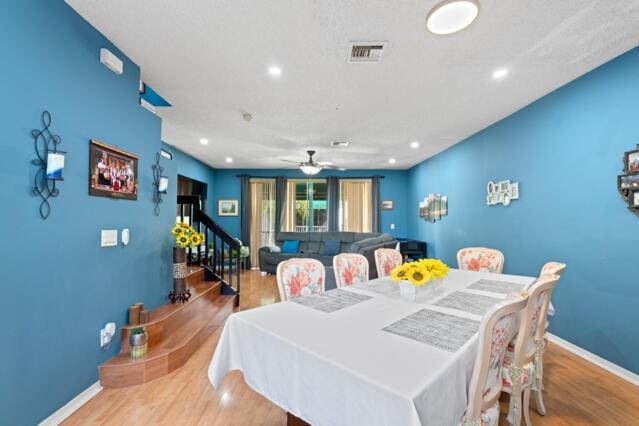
<point x="366" y="51"/>
<point x="339" y="144"/>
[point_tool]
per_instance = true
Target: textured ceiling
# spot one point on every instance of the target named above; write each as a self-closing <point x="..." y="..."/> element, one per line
<point x="209" y="59"/>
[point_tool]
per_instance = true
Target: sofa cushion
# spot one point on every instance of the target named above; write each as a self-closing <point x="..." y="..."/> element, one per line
<point x="331" y="248"/>
<point x="311" y="247"/>
<point x="291" y="246"/>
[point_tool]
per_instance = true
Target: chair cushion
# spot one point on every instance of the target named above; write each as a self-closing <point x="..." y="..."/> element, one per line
<point x="291" y="246"/>
<point x="529" y="369"/>
<point x="331" y="248"/>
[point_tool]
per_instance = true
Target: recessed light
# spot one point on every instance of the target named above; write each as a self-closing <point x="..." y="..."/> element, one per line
<point x="451" y="16"/>
<point x="500" y="73"/>
<point x="414" y="145"/>
<point x="392" y="161"/>
<point x="275" y="71"/>
<point x="204" y="141"/>
<point x="228" y="159"/>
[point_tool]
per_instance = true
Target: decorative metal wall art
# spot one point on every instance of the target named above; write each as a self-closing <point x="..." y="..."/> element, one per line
<point x="160" y="183"/>
<point x="502" y="192"/>
<point x="628" y="183"/>
<point x="50" y="164"/>
<point x="434" y="207"/>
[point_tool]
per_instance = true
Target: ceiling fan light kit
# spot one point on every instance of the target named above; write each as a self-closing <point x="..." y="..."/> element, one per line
<point x="311" y="167"/>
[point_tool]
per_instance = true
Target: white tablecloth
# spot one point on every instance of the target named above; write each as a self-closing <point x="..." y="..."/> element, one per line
<point x="340" y="368"/>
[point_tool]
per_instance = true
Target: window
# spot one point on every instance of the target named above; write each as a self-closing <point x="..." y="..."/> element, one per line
<point x="306" y="206"/>
<point x="356" y="205"/>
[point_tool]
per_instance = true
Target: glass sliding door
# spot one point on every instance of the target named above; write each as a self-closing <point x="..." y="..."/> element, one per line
<point x="306" y="206"/>
<point x="262" y="216"/>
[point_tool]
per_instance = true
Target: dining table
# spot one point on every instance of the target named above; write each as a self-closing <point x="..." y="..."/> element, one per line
<point x="364" y="354"/>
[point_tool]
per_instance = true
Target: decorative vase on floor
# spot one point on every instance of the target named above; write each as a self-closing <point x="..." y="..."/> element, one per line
<point x="424" y="293"/>
<point x="179" y="293"/>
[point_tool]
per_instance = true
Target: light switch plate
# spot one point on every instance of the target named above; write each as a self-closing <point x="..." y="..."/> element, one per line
<point x="109" y="238"/>
<point x="392" y="226"/>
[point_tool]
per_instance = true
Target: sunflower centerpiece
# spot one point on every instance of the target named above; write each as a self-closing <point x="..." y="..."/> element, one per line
<point x="185" y="237"/>
<point x="421" y="279"/>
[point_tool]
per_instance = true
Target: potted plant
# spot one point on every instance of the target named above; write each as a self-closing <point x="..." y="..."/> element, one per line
<point x="138" y="342"/>
<point x="185" y="236"/>
<point x="420" y="280"/>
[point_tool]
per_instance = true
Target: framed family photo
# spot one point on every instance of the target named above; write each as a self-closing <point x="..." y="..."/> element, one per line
<point x="388" y="205"/>
<point x="631" y="161"/>
<point x="112" y="172"/>
<point x="228" y="207"/>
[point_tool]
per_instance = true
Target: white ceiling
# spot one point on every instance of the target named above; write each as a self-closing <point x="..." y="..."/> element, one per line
<point x="210" y="59"/>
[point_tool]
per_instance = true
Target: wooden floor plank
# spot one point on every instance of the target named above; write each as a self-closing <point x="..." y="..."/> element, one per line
<point x="577" y="392"/>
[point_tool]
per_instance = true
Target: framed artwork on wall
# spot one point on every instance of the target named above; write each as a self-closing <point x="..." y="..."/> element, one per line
<point x="631" y="161"/>
<point x="388" y="205"/>
<point x="634" y="199"/>
<point x="228" y="207"/>
<point x="113" y="172"/>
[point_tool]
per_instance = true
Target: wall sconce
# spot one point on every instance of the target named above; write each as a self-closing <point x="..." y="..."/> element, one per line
<point x="160" y="183"/>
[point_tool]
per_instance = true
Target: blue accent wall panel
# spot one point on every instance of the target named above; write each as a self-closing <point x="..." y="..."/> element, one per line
<point x="393" y="187"/>
<point x="565" y="150"/>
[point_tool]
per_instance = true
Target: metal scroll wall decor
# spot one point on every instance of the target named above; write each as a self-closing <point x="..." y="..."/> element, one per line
<point x="628" y="182"/>
<point x="502" y="192"/>
<point x="50" y="164"/>
<point x="434" y="207"/>
<point x="160" y="183"/>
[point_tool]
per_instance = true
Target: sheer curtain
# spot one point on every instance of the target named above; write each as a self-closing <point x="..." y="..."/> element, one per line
<point x="263" y="217"/>
<point x="288" y="222"/>
<point x="355" y="205"/>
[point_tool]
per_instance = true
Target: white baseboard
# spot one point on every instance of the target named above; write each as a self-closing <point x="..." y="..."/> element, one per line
<point x="627" y="375"/>
<point x="71" y="406"/>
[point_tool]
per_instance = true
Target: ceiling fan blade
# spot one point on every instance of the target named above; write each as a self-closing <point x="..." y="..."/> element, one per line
<point x="333" y="167"/>
<point x="325" y="163"/>
<point x="289" y="161"/>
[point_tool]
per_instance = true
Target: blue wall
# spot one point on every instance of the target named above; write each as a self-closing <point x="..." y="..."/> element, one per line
<point x="59" y="287"/>
<point x="393" y="187"/>
<point x="565" y="150"/>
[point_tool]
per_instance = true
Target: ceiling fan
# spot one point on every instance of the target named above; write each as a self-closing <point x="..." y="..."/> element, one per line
<point x="311" y="167"/>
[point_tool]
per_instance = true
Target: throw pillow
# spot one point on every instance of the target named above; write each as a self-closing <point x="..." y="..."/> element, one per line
<point x="291" y="246"/>
<point x="331" y="247"/>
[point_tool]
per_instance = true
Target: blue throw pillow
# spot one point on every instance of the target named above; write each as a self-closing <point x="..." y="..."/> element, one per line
<point x="331" y="247"/>
<point x="291" y="246"/>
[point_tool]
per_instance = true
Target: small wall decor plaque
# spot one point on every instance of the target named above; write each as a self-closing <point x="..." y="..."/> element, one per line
<point x="628" y="183"/>
<point x="502" y="192"/>
<point x="433" y="207"/>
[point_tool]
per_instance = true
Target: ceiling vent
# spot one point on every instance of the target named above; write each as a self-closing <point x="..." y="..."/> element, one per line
<point x="339" y="144"/>
<point x="366" y="51"/>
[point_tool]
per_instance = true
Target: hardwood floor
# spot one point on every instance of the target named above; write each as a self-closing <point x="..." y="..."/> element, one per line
<point x="577" y="392"/>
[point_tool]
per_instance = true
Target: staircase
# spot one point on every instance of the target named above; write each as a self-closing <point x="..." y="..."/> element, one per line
<point x="176" y="331"/>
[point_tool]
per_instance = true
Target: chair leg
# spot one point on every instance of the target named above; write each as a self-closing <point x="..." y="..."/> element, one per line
<point x="514" y="408"/>
<point x="539" y="398"/>
<point x="526" y="407"/>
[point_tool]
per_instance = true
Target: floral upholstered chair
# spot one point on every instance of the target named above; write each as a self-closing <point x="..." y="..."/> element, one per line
<point x="386" y="260"/>
<point x="553" y="268"/>
<point x="496" y="330"/>
<point x="299" y="278"/>
<point x="480" y="259"/>
<point x="350" y="268"/>
<point x="522" y="369"/>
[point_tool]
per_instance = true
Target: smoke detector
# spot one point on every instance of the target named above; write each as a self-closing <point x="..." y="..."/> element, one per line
<point x="339" y="144"/>
<point x="366" y="51"/>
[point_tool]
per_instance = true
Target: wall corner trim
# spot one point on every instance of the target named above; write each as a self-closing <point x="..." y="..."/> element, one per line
<point x="70" y="407"/>
<point x="621" y="372"/>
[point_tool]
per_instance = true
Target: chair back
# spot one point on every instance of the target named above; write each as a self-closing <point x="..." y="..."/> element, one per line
<point x="299" y="278"/>
<point x="480" y="259"/>
<point x="532" y="324"/>
<point x="553" y="268"/>
<point x="496" y="330"/>
<point x="350" y="268"/>
<point x="386" y="260"/>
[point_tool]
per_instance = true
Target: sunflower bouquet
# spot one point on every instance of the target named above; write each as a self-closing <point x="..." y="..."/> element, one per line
<point x="186" y="236"/>
<point x="420" y="272"/>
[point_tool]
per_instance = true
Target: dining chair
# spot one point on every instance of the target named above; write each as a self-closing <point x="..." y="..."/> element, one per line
<point x="496" y="331"/>
<point x="553" y="268"/>
<point x="480" y="259"/>
<point x="386" y="260"/>
<point x="350" y="268"/>
<point x="522" y="369"/>
<point x="299" y="278"/>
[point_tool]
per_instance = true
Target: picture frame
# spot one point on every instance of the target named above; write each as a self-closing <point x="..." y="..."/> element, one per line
<point x="628" y="181"/>
<point x="388" y="205"/>
<point x="633" y="199"/>
<point x="113" y="172"/>
<point x="631" y="161"/>
<point x="228" y="207"/>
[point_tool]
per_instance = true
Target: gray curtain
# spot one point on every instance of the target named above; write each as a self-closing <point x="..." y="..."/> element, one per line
<point x="377" y="204"/>
<point x="280" y="200"/>
<point x="333" y="203"/>
<point x="245" y="208"/>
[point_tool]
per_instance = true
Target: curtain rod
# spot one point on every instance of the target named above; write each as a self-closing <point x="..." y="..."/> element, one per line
<point x="311" y="177"/>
